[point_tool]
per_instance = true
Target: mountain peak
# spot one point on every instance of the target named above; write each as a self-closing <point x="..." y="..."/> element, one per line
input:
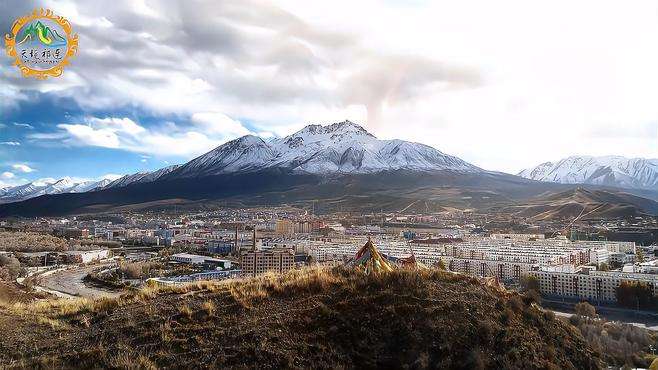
<point x="338" y="128"/>
<point x="249" y="139"/>
<point x="346" y="126"/>
<point x="341" y="147"/>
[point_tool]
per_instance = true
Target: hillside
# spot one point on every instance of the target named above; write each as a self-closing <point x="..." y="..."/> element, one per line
<point x="586" y="203"/>
<point x="308" y="318"/>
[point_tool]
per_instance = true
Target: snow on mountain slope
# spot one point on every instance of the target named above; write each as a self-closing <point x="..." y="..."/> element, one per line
<point x="343" y="147"/>
<point x="38" y="188"/>
<point x="140" y="177"/>
<point x="615" y="171"/>
<point x="243" y="154"/>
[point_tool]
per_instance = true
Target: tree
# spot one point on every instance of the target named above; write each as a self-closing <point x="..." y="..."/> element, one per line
<point x="636" y="295"/>
<point x="639" y="255"/>
<point x="585" y="309"/>
<point x="10" y="266"/>
<point x="603" y="266"/>
<point x="529" y="282"/>
<point x="533" y="296"/>
<point x="441" y="265"/>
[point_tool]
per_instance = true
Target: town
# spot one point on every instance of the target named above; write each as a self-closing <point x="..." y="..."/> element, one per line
<point x="609" y="264"/>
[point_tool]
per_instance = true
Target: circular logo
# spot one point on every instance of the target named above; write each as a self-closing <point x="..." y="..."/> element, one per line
<point x="41" y="44"/>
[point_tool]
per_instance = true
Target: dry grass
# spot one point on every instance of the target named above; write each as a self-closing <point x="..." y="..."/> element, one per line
<point x="185" y="310"/>
<point x="310" y="316"/>
<point x="129" y="360"/>
<point x="209" y="308"/>
<point x="52" y="323"/>
<point x="244" y="291"/>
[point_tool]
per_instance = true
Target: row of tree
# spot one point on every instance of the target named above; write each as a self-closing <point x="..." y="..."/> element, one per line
<point x="30" y="242"/>
<point x="636" y="295"/>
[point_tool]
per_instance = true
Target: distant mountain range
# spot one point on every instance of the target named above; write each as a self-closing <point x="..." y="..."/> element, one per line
<point x="339" y="166"/>
<point x="343" y="147"/>
<point x="615" y="171"/>
<point x="44" y="187"/>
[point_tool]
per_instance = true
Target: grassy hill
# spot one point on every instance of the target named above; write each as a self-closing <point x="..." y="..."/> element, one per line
<point x="311" y="318"/>
<point x="586" y="203"/>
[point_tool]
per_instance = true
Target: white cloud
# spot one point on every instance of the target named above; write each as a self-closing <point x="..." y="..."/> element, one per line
<point x="507" y="86"/>
<point x="10" y="183"/>
<point x="10" y="143"/>
<point x="23" y="168"/>
<point x="44" y="181"/>
<point x="216" y="122"/>
<point x="8" y="175"/>
<point x="24" y="125"/>
<point x="163" y="140"/>
<point x="87" y="135"/>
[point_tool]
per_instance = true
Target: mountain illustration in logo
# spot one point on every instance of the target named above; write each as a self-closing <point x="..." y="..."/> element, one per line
<point x="38" y="32"/>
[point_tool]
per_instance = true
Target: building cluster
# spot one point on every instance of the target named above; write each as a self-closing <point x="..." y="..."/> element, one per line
<point x="247" y="242"/>
<point x="563" y="268"/>
<point x="37" y="259"/>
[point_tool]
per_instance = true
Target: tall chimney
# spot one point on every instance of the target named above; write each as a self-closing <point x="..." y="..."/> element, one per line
<point x="253" y="246"/>
<point x="237" y="248"/>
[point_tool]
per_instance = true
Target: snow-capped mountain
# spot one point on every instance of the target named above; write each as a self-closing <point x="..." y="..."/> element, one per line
<point x="140" y="177"/>
<point x="68" y="185"/>
<point x="50" y="186"/>
<point x="617" y="171"/>
<point x="343" y="147"/>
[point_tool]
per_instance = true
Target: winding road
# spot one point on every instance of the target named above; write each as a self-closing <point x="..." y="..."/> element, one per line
<point x="69" y="282"/>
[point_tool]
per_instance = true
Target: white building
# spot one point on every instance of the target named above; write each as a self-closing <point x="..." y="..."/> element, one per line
<point x="196" y="259"/>
<point x="86" y="256"/>
<point x="594" y="285"/>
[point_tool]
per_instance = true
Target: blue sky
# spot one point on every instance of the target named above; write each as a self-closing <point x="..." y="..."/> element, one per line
<point x="51" y="158"/>
<point x="504" y="85"/>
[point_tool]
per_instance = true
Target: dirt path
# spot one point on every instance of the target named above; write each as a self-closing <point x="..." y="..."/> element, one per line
<point x="70" y="282"/>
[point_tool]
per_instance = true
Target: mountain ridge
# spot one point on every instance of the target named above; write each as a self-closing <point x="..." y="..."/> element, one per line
<point x="617" y="171"/>
<point x="51" y="186"/>
<point x="342" y="147"/>
<point x="340" y="165"/>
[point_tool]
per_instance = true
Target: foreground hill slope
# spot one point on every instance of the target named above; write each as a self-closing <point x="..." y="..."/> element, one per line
<point x="311" y="318"/>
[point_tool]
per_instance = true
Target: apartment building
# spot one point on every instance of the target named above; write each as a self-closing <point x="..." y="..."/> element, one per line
<point x="284" y="227"/>
<point x="504" y="270"/>
<point x="518" y="236"/>
<point x="256" y="262"/>
<point x="599" y="286"/>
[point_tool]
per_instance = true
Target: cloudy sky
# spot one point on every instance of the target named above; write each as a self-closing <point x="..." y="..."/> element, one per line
<point x="503" y="84"/>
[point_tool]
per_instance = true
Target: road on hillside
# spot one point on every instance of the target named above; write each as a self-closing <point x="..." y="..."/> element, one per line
<point x="642" y="319"/>
<point x="70" y="282"/>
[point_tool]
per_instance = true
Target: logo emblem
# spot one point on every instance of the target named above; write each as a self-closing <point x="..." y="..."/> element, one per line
<point x="41" y="44"/>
